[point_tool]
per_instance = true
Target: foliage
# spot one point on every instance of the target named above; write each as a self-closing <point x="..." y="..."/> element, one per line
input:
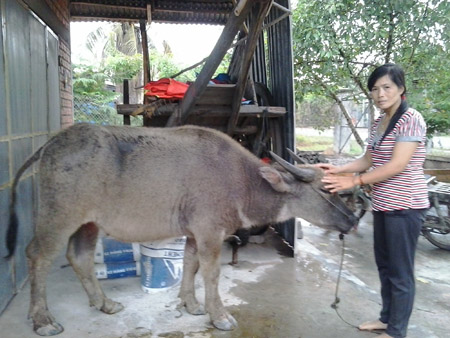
<point x="316" y="110"/>
<point x="118" y="67"/>
<point x="163" y="65"/>
<point x="337" y="44"/>
<point x="92" y="101"/>
<point x="90" y="81"/>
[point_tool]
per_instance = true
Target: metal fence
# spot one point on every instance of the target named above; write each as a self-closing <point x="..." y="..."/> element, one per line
<point x="88" y="109"/>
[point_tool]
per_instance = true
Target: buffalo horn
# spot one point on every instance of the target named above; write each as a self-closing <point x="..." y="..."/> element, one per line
<point x="303" y="174"/>
<point x="296" y="158"/>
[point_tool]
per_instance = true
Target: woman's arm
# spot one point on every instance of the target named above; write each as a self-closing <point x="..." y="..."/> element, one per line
<point x="402" y="153"/>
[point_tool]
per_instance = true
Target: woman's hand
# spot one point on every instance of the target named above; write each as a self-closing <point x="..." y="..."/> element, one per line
<point x="335" y="183"/>
<point x="328" y="168"/>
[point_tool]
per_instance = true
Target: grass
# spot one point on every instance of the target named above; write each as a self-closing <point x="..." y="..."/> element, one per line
<point x="314" y="143"/>
<point x="323" y="143"/>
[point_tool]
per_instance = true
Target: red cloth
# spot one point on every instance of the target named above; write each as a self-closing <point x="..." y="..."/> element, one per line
<point x="166" y="89"/>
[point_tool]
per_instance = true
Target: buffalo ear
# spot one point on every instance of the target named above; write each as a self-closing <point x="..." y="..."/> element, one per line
<point x="275" y="179"/>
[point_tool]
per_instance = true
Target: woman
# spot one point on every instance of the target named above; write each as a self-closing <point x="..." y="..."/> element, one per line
<point x="395" y="154"/>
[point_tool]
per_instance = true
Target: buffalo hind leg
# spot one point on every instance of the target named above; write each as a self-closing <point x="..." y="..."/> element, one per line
<point x="41" y="252"/>
<point x="80" y="253"/>
<point x="209" y="257"/>
<point x="187" y="288"/>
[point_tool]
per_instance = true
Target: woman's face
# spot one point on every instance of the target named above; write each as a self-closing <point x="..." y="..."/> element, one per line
<point x="386" y="94"/>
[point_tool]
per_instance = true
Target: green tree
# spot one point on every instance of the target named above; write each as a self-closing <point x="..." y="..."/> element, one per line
<point x="92" y="101"/>
<point x="337" y="44"/>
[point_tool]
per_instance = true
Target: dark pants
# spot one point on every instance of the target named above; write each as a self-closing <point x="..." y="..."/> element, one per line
<point x="395" y="241"/>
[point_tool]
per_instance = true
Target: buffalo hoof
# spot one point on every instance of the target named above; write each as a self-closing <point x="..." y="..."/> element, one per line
<point x="49" y="329"/>
<point x="196" y="310"/>
<point x="225" y="322"/>
<point x="110" y="307"/>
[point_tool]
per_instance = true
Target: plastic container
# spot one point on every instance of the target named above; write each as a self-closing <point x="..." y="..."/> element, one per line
<point x="162" y="264"/>
<point x="117" y="270"/>
<point x="109" y="250"/>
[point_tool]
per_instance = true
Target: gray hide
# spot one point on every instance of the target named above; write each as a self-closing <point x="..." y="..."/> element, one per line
<point x="145" y="184"/>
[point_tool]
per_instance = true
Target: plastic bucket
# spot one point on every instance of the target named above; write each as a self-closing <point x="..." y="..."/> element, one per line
<point x="162" y="263"/>
<point x="117" y="270"/>
<point x="109" y="250"/>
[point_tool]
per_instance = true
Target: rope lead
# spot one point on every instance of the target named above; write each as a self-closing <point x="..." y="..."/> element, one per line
<point x="337" y="300"/>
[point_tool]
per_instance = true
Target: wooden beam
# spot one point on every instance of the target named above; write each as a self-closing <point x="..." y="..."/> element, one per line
<point x="145" y="54"/>
<point x="91" y="4"/>
<point x="126" y="100"/>
<point x="196" y="89"/>
<point x="207" y="110"/>
<point x="146" y="61"/>
<point x="101" y="18"/>
<point x="149" y="14"/>
<point x="260" y="11"/>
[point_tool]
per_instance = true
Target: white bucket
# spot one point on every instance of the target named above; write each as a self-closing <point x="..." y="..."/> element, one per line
<point x="162" y="263"/>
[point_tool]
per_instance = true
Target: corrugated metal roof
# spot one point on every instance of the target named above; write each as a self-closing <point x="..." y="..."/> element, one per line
<point x="214" y="12"/>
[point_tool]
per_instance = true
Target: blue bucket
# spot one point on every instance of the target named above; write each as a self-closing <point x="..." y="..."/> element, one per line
<point x="117" y="270"/>
<point x="109" y="250"/>
<point x="162" y="264"/>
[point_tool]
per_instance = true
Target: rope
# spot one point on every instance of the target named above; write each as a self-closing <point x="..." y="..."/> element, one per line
<point x="337" y="300"/>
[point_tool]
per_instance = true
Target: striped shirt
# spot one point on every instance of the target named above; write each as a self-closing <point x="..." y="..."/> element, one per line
<point x="408" y="189"/>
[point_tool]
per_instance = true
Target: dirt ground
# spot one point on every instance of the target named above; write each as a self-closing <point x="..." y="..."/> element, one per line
<point x="269" y="294"/>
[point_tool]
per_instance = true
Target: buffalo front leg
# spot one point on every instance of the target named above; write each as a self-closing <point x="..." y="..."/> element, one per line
<point x="187" y="288"/>
<point x="41" y="252"/>
<point x="209" y="257"/>
<point x="80" y="254"/>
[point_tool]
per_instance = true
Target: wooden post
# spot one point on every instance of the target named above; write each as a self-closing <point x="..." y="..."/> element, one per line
<point x="126" y="100"/>
<point x="196" y="89"/>
<point x="145" y="55"/>
<point x="146" y="61"/>
<point x="250" y="46"/>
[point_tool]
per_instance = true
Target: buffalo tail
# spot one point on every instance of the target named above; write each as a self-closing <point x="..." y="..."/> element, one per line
<point x="11" y="235"/>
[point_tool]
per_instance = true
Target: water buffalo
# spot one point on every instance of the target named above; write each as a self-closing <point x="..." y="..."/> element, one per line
<point x="145" y="184"/>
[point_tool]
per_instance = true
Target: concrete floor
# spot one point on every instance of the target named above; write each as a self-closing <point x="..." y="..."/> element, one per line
<point x="270" y="295"/>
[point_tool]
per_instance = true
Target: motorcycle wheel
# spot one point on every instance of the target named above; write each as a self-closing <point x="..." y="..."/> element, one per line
<point x="435" y="235"/>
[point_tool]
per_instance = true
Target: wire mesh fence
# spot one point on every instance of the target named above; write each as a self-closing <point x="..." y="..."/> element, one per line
<point x="91" y="110"/>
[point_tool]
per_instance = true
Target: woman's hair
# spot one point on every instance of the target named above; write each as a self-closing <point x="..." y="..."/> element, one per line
<point x="397" y="75"/>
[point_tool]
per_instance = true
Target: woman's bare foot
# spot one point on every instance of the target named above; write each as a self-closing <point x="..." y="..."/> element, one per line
<point x="373" y="325"/>
<point x="384" y="335"/>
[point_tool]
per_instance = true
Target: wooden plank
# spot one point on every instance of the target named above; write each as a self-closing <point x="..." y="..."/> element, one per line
<point x="221" y="94"/>
<point x="106" y="6"/>
<point x="442" y="175"/>
<point x="210" y="110"/>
